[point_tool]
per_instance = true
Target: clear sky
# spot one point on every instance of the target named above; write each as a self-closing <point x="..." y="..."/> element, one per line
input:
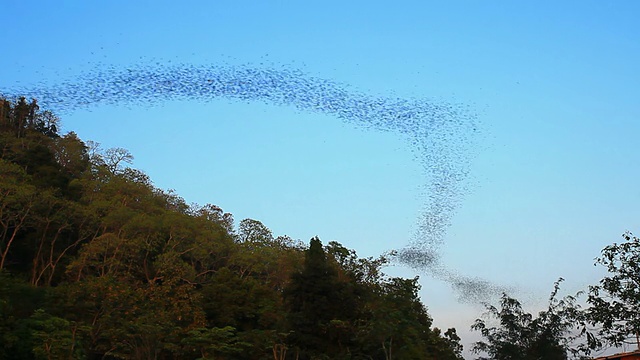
<point x="554" y="172"/>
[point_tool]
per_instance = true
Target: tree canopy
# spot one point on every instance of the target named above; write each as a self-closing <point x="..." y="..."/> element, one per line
<point x="615" y="301"/>
<point x="520" y="335"/>
<point x="97" y="263"/>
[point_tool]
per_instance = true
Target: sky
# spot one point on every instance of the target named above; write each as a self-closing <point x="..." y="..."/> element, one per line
<point x="547" y="94"/>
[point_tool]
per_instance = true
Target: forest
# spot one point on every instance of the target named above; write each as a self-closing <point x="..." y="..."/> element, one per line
<point x="98" y="263"/>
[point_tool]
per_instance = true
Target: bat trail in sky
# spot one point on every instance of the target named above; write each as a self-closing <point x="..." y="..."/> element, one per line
<point x="440" y="134"/>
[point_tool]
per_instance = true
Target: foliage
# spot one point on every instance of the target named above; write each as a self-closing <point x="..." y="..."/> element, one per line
<point x="521" y="336"/>
<point x="55" y="338"/>
<point x="319" y="311"/>
<point x="615" y="302"/>
<point x="97" y="263"/>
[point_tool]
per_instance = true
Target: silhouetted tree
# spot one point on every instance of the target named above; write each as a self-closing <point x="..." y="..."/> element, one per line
<point x="521" y="336"/>
<point x="615" y="302"/>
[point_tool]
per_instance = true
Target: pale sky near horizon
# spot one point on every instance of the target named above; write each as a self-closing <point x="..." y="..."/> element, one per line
<point x="555" y="86"/>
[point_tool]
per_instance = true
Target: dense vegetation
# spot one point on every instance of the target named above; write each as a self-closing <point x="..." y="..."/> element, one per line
<point x="97" y="263"/>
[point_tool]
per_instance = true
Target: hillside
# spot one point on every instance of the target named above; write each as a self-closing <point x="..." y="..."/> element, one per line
<point x="97" y="263"/>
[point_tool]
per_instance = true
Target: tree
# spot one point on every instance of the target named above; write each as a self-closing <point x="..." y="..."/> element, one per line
<point x="615" y="302"/>
<point x="72" y="154"/>
<point x="214" y="343"/>
<point x="253" y="231"/>
<point x="17" y="199"/>
<point x="451" y="341"/>
<point x="18" y="301"/>
<point x="399" y="326"/>
<point x="319" y="311"/>
<point x="521" y="336"/>
<point x="21" y="116"/>
<point x="114" y="159"/>
<point x="54" y="337"/>
<point x="97" y="263"/>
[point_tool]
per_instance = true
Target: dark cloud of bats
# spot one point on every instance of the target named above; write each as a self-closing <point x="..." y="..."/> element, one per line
<point x="439" y="134"/>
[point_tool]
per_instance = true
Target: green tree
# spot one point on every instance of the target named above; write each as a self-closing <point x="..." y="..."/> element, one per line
<point x="20" y="117"/>
<point x="450" y="345"/>
<point x="214" y="343"/>
<point x="17" y="200"/>
<point x="615" y="302"/>
<point x="521" y="336"/>
<point x="400" y="325"/>
<point x="55" y="338"/>
<point x="18" y="301"/>
<point x="319" y="311"/>
<point x="72" y="154"/>
<point x="96" y="262"/>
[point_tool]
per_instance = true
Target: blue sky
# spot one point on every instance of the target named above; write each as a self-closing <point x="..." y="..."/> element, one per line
<point x="553" y="174"/>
